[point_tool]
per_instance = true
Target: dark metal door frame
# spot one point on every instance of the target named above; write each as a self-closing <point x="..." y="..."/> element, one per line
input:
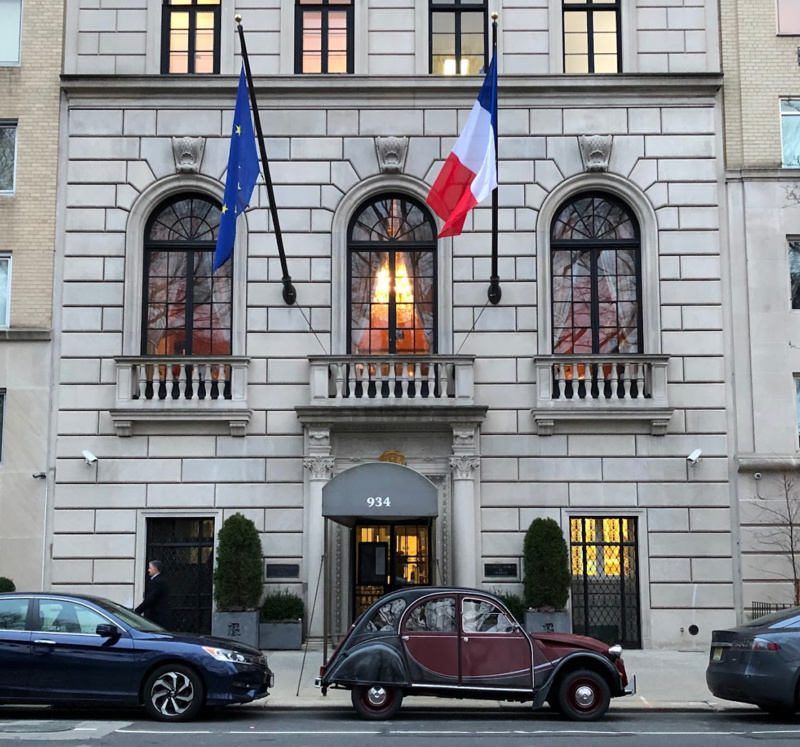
<point x="625" y="616"/>
<point x="190" y="589"/>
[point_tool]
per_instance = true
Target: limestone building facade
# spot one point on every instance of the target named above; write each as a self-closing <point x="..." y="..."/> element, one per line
<point x="30" y="64"/>
<point x="578" y="397"/>
<point x="763" y="226"/>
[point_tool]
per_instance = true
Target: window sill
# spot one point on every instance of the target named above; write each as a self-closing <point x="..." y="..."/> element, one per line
<point x="596" y="387"/>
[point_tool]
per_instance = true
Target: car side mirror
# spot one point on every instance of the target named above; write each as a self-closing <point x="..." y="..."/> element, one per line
<point x="106" y="630"/>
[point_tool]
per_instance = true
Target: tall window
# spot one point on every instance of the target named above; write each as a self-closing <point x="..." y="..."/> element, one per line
<point x="592" y="36"/>
<point x="2" y="410"/>
<point x="596" y="277"/>
<point x="190" y="36"/>
<point x="10" y="31"/>
<point x="790" y="133"/>
<point x="392" y="271"/>
<point x="324" y="36"/>
<point x="8" y="156"/>
<point x="459" y="43"/>
<point x="797" y="404"/>
<point x="794" y="272"/>
<point x="187" y="307"/>
<point x="5" y="289"/>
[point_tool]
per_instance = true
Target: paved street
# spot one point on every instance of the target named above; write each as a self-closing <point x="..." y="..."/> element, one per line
<point x="419" y="726"/>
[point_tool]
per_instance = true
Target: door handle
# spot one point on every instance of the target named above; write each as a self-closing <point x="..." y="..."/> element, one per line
<point x="46" y="643"/>
<point x="466" y="640"/>
<point x="405" y="637"/>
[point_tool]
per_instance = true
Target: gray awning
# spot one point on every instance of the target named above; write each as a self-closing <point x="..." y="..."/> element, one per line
<point x="363" y="492"/>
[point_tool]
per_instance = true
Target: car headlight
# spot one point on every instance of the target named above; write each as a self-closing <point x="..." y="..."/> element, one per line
<point x="225" y="654"/>
<point x="615" y="651"/>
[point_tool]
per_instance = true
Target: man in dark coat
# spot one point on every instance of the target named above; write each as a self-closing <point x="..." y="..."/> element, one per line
<point x="155" y="605"/>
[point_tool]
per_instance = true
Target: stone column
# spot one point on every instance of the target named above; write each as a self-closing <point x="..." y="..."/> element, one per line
<point x="319" y="463"/>
<point x="466" y="545"/>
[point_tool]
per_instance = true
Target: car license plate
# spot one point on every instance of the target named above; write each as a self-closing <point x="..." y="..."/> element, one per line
<point x="716" y="654"/>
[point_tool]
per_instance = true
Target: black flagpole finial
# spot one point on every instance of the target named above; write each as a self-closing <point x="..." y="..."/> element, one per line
<point x="495" y="294"/>
<point x="289" y="293"/>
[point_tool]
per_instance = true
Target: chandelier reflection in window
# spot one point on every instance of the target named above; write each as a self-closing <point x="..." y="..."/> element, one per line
<point x="392" y="268"/>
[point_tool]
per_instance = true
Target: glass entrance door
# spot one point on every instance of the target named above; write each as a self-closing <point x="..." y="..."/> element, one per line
<point x="388" y="557"/>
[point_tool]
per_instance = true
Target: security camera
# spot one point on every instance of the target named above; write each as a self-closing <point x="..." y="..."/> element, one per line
<point x="89" y="457"/>
<point x="694" y="457"/>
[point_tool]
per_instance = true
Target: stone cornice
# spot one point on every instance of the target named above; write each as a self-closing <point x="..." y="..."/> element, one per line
<point x="344" y="418"/>
<point x="20" y="334"/>
<point x="390" y="91"/>
<point x="763" y="174"/>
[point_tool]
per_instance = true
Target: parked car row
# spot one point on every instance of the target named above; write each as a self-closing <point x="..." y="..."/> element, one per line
<point x="436" y="641"/>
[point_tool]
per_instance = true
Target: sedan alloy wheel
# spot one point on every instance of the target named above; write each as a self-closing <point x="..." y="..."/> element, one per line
<point x="173" y="693"/>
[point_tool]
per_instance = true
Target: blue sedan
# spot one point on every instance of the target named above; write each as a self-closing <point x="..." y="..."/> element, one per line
<point x="56" y="648"/>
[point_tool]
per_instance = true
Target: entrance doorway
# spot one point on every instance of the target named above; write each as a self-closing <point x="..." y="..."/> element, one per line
<point x="186" y="548"/>
<point x="388" y="557"/>
<point x="605" y="579"/>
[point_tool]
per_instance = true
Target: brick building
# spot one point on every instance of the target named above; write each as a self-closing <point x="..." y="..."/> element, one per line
<point x="577" y="397"/>
<point x="30" y="64"/>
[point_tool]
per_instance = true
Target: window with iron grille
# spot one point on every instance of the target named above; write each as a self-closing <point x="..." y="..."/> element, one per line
<point x="794" y="272"/>
<point x="592" y="36"/>
<point x="324" y="36"/>
<point x="458" y="36"/>
<point x="596" y="277"/>
<point x="190" y="36"/>
<point x="392" y="278"/>
<point x="8" y="156"/>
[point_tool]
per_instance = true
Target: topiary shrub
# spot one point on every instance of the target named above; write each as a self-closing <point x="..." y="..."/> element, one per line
<point x="282" y="606"/>
<point x="515" y="605"/>
<point x="6" y="584"/>
<point x="546" y="575"/>
<point x="239" y="570"/>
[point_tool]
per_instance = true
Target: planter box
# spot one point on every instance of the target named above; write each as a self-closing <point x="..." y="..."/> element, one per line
<point x="548" y="622"/>
<point x="241" y="627"/>
<point x="280" y="636"/>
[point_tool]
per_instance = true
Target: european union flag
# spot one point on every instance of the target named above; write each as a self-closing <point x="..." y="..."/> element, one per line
<point x="242" y="174"/>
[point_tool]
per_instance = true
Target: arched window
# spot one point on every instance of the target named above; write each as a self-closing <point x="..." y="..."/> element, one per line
<point x="186" y="306"/>
<point x="391" y="267"/>
<point x="596" y="277"/>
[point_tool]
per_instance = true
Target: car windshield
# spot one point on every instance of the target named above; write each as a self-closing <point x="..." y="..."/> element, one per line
<point x="788" y="618"/>
<point x="130" y="618"/>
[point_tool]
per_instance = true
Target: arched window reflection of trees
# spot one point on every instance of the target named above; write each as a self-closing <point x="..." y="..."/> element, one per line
<point x="392" y="278"/>
<point x="596" y="277"/>
<point x="187" y="307"/>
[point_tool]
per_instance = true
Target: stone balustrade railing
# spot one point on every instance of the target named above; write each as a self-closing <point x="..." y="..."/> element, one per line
<point x="181" y="388"/>
<point x="367" y="380"/>
<point x="572" y="387"/>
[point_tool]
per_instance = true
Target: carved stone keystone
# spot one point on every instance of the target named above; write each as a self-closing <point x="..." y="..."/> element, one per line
<point x="595" y="151"/>
<point x="188" y="153"/>
<point x="391" y="154"/>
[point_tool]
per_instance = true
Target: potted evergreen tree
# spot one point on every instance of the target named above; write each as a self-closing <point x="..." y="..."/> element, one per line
<point x="281" y="626"/>
<point x="6" y="584"/>
<point x="238" y="584"/>
<point x="546" y="578"/>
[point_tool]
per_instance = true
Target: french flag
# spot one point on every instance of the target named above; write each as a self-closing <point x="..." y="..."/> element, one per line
<point x="470" y="172"/>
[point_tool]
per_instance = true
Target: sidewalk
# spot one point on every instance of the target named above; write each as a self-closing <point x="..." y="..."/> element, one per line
<point x="665" y="680"/>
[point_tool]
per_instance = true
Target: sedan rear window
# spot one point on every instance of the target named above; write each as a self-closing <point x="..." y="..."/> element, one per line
<point x="13" y="612"/>
<point x="435" y="616"/>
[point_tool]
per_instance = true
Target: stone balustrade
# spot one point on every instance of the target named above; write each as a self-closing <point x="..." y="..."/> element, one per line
<point x="370" y="380"/>
<point x="582" y="387"/>
<point x="181" y="388"/>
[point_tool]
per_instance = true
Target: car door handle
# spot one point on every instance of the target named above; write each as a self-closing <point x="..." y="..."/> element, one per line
<point x="45" y="643"/>
<point x="405" y="637"/>
<point x="465" y="639"/>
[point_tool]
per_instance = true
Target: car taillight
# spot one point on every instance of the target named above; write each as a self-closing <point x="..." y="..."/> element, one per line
<point x="761" y="644"/>
<point x="322" y="670"/>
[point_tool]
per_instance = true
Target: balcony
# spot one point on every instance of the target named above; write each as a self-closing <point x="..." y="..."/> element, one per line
<point x="379" y="389"/>
<point x="177" y="388"/>
<point x="597" y="387"/>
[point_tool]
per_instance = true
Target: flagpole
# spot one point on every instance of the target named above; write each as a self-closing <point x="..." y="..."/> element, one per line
<point x="289" y="292"/>
<point x="495" y="294"/>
